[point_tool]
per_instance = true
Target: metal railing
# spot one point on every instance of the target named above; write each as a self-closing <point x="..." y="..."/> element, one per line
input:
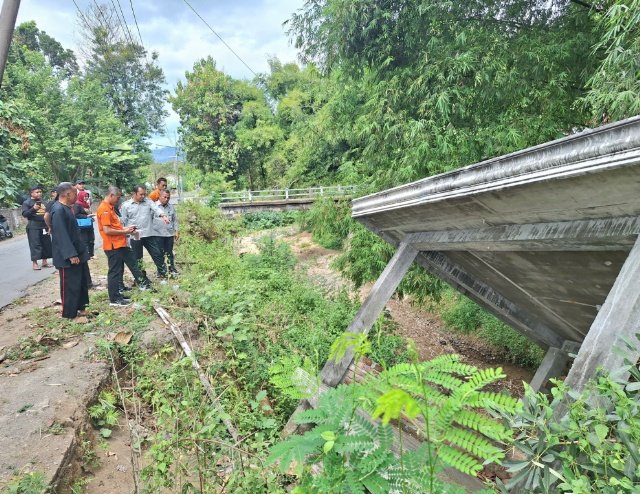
<point x="287" y="194"/>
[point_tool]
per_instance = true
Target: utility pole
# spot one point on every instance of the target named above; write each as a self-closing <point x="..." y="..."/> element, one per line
<point x="8" y="16"/>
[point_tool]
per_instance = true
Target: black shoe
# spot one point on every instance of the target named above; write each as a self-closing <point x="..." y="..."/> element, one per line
<point x="121" y="302"/>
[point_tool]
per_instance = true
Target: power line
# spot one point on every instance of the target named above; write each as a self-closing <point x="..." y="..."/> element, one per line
<point x="220" y="38"/>
<point x="136" y="21"/>
<point x="124" y="20"/>
<point x="122" y="23"/>
<point x="100" y="14"/>
<point x="82" y="17"/>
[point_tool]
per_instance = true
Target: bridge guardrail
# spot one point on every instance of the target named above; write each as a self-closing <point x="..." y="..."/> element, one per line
<point x="287" y="194"/>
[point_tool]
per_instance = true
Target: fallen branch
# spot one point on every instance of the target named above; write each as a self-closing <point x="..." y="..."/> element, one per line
<point x="203" y="377"/>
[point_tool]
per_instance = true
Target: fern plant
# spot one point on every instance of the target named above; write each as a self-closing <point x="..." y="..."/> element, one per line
<point x="352" y="446"/>
<point x="446" y="402"/>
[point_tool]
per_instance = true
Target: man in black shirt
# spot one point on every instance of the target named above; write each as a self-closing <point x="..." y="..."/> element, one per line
<point x="37" y="232"/>
<point x="70" y="254"/>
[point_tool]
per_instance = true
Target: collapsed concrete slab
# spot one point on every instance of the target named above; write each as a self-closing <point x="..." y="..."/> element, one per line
<point x="538" y="237"/>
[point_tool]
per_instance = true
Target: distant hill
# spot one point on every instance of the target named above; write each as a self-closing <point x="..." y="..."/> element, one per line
<point x="163" y="155"/>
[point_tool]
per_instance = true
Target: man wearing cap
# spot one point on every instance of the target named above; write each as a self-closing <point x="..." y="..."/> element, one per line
<point x="37" y="231"/>
<point x="139" y="211"/>
<point x="70" y="253"/>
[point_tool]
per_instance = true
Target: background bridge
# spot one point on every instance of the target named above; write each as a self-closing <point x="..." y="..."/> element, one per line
<point x="249" y="201"/>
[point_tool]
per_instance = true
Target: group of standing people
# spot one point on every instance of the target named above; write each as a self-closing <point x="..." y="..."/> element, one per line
<point x="63" y="229"/>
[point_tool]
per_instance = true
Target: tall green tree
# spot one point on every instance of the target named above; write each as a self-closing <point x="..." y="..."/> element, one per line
<point x="428" y="87"/>
<point x="614" y="87"/>
<point x="226" y="124"/>
<point x="28" y="38"/>
<point x="70" y="126"/>
<point x="131" y="78"/>
<point x="15" y="173"/>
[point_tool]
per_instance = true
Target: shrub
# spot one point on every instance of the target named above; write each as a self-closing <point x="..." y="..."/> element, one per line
<point x="447" y="401"/>
<point x="329" y="221"/>
<point x="265" y="220"/>
<point x="204" y="222"/>
<point x="464" y="315"/>
<point x="593" y="448"/>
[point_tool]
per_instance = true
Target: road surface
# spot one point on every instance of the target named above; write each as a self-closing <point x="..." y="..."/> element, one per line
<point x="16" y="274"/>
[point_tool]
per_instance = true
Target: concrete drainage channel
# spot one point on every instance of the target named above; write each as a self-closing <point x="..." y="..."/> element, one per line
<point x="43" y="409"/>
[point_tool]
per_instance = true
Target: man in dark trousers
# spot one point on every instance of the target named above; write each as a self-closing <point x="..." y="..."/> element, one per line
<point x="166" y="232"/>
<point x="70" y="253"/>
<point x="114" y="243"/>
<point x="139" y="211"/>
<point x="37" y="232"/>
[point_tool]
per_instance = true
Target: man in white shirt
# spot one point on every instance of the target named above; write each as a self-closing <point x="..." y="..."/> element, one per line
<point x="166" y="233"/>
<point x="140" y="212"/>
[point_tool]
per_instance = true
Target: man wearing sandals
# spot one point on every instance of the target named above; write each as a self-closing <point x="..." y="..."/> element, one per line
<point x="37" y="231"/>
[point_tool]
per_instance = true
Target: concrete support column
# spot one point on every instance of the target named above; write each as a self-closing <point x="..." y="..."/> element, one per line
<point x="333" y="372"/>
<point x="619" y="318"/>
<point x="553" y="365"/>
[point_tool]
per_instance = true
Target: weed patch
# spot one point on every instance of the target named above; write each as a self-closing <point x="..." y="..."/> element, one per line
<point x="265" y="220"/>
<point x="462" y="314"/>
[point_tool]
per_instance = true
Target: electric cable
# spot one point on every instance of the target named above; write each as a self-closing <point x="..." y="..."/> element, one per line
<point x="220" y="38"/>
<point x="125" y="21"/>
<point x="100" y="14"/>
<point x="136" y="21"/>
<point x="82" y="17"/>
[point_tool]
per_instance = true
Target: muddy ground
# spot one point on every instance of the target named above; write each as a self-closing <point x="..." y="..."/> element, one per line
<point x="48" y="382"/>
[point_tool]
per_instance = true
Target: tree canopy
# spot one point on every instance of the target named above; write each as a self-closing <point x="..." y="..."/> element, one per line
<point x="392" y="91"/>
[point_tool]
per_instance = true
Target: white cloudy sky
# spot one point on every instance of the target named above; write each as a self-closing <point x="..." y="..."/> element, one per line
<point x="253" y="28"/>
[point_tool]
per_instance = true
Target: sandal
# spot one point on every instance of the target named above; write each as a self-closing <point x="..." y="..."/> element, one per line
<point x="47" y="265"/>
<point x="36" y="268"/>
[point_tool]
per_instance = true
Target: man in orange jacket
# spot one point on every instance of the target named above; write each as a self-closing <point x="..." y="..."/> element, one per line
<point x="115" y="245"/>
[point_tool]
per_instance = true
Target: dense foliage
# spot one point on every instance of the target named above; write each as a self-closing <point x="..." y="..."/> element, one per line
<point x="443" y="399"/>
<point x="591" y="448"/>
<point x="258" y="319"/>
<point x="395" y="91"/>
<point x="90" y="123"/>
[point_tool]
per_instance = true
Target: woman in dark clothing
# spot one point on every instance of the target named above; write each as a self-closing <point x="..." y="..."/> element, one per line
<point x="85" y="226"/>
<point x="37" y="232"/>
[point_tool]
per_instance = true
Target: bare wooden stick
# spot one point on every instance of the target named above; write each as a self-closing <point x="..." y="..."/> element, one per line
<point x="203" y="377"/>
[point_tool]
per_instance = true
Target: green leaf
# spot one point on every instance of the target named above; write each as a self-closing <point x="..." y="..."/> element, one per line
<point x="328" y="436"/>
<point x="392" y="404"/>
<point x="602" y="431"/>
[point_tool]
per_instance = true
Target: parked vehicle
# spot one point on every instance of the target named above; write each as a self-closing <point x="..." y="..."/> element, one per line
<point x="5" y="230"/>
